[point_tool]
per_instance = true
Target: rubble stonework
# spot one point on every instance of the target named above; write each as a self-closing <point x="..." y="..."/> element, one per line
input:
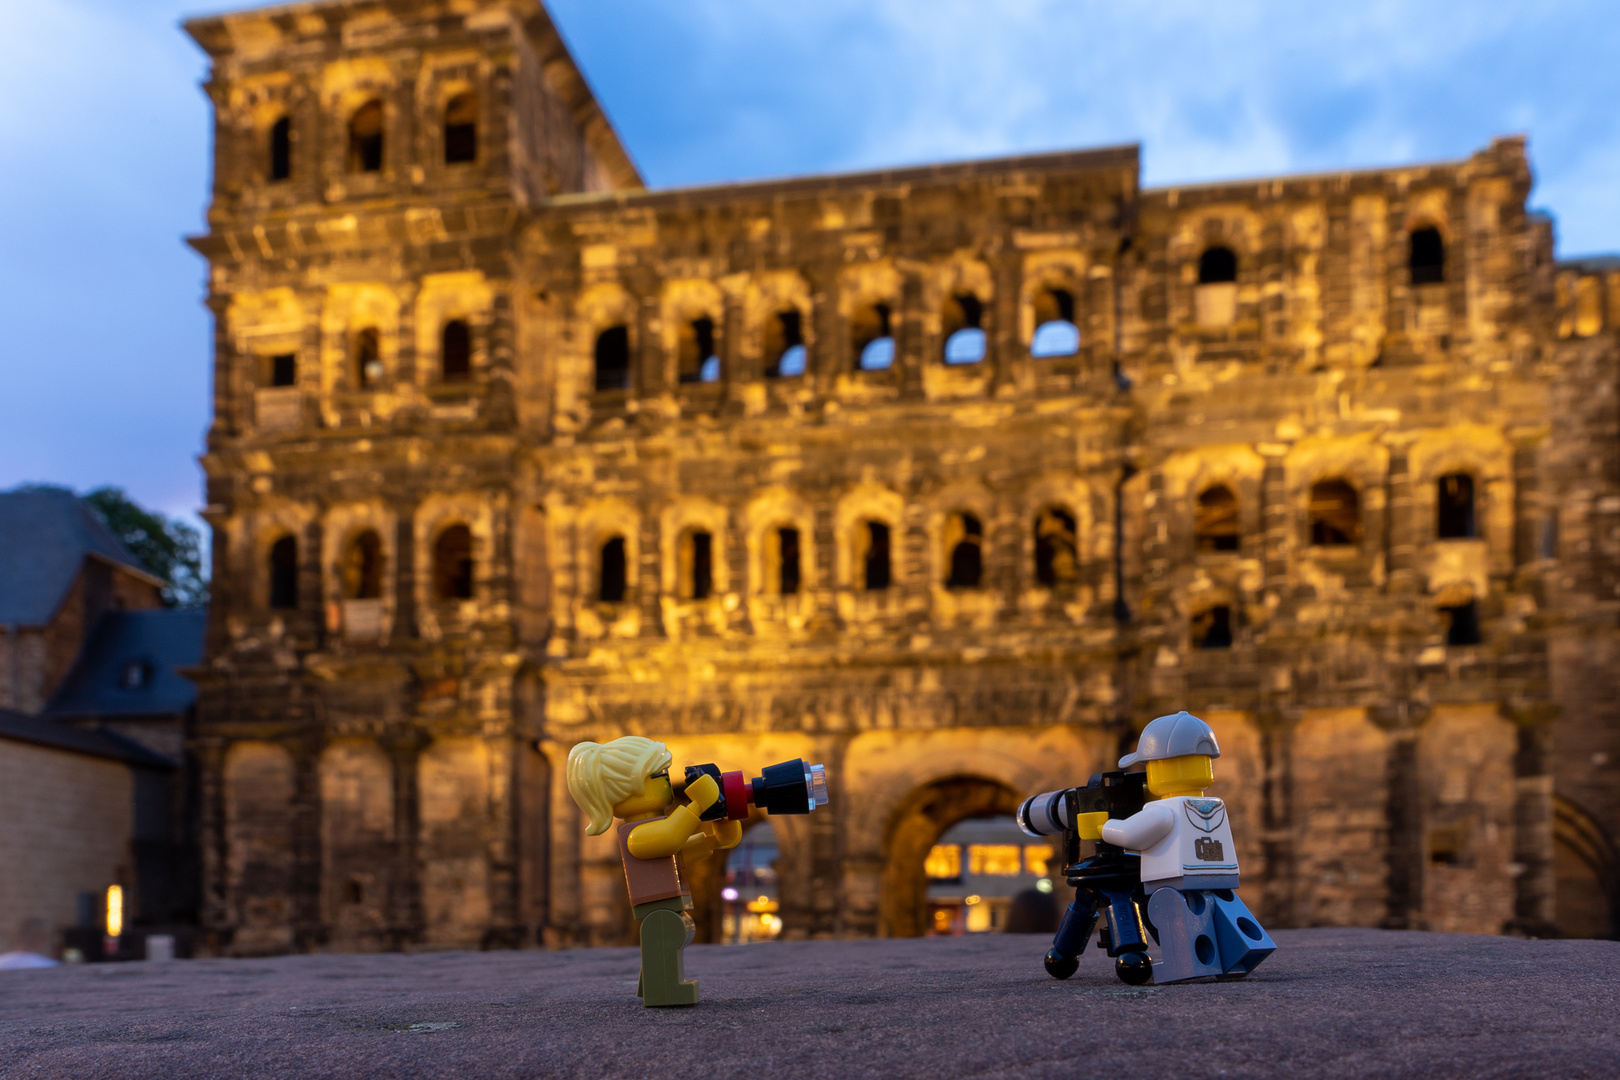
<point x="443" y="553"/>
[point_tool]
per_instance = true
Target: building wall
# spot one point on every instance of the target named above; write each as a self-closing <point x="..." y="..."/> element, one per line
<point x="69" y="820"/>
<point x="370" y="772"/>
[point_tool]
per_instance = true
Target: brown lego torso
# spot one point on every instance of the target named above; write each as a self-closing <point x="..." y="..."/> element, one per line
<point x="648" y="879"/>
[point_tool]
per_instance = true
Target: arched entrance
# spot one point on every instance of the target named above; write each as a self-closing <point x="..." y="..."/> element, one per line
<point x="914" y="827"/>
<point x="1587" y="873"/>
<point x="753" y="866"/>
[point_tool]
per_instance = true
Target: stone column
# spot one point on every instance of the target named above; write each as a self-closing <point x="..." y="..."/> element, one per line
<point x="406" y="922"/>
<point x="505" y="884"/>
<point x="911" y="345"/>
<point x="214" y="850"/>
<point x="309" y="927"/>
<point x="1535" y="885"/>
<point x="404" y="630"/>
<point x="1408" y="853"/>
<point x="1275" y="518"/>
<point x="1401" y="526"/>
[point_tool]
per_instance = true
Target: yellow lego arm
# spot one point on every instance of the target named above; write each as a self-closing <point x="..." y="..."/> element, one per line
<point x="666" y="836"/>
<point x="716" y="836"/>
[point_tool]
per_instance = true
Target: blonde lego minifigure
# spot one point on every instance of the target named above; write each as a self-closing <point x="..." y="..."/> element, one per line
<point x="628" y="779"/>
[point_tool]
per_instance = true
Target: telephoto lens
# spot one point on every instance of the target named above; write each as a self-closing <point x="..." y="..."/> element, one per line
<point x="790" y="787"/>
<point x="1046" y="814"/>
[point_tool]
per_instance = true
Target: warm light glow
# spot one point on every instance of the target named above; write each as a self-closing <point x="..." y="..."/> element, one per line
<point x="761" y="904"/>
<point x="728" y="893"/>
<point x="978" y="918"/>
<point x="1044" y="885"/>
<point x="996" y="860"/>
<point x="974" y="899"/>
<point x="1036" y="856"/>
<point x="944" y="862"/>
<point x="115" y="910"/>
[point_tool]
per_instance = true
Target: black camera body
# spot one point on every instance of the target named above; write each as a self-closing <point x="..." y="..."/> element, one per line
<point x="788" y="787"/>
<point x="1118" y="794"/>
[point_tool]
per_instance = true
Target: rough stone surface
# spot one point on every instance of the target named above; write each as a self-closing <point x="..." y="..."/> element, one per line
<point x="1329" y="1003"/>
<point x="1225" y="499"/>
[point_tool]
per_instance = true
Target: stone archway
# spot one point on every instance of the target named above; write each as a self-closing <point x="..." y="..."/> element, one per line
<point x="1587" y="898"/>
<point x="913" y="828"/>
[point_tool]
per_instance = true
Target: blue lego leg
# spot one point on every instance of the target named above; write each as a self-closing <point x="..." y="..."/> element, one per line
<point x="1242" y="941"/>
<point x="1186" y="925"/>
<point x="1079" y="920"/>
<point x="1127" y="939"/>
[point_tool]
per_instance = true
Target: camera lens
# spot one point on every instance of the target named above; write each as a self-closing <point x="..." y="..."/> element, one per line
<point x="1045" y="814"/>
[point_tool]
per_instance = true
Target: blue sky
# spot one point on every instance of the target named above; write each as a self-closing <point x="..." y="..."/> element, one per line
<point x="104" y="343"/>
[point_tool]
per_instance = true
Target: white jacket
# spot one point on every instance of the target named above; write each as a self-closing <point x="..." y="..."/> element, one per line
<point x="1185" y="842"/>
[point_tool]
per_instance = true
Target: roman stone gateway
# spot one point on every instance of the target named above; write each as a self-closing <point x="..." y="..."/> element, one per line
<point x="949" y="477"/>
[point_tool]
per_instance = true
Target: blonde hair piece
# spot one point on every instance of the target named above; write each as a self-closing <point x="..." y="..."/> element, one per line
<point x="600" y="775"/>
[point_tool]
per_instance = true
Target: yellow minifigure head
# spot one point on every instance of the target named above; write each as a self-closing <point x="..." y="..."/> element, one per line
<point x="1186" y="775"/>
<point x="623" y="778"/>
<point x="1179" y="751"/>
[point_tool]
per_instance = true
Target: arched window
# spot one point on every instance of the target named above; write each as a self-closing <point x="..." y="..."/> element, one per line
<point x="872" y="338"/>
<point x="453" y="564"/>
<point x="610" y="576"/>
<point x="694" y="565"/>
<point x="1455" y="493"/>
<point x="872" y="555"/>
<point x="1216" y="266"/>
<point x="782" y="565"/>
<point x="1428" y="256"/>
<point x="366" y="138"/>
<point x="964" y="337"/>
<point x="284" y="574"/>
<point x="784" y="345"/>
<point x="455" y="351"/>
<point x="368" y="369"/>
<point x="964" y="546"/>
<point x="1335" y="513"/>
<point x="1212" y="628"/>
<point x="1057" y="559"/>
<point x="613" y="359"/>
<point x="281" y="149"/>
<point x="461" y="129"/>
<point x="363" y="567"/>
<point x="1055" y="331"/>
<point x="696" y="360"/>
<point x="1215" y="521"/>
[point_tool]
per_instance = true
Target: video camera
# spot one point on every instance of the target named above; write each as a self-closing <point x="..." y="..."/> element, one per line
<point x="790" y="787"/>
<point x="1119" y="794"/>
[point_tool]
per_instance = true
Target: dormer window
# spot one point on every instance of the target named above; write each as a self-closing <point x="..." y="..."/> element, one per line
<point x="135" y="675"/>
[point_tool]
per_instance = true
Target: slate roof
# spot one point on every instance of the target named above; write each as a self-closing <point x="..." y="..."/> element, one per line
<point x="40" y="731"/>
<point x="159" y="641"/>
<point x="45" y="536"/>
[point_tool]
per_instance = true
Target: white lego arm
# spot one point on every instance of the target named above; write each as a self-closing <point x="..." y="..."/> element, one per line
<point x="1141" y="830"/>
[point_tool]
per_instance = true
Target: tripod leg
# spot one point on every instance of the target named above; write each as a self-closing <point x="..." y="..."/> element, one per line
<point x="1125" y="933"/>
<point x="1078" y="922"/>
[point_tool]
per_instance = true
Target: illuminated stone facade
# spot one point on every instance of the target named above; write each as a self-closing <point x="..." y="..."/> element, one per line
<point x="509" y="452"/>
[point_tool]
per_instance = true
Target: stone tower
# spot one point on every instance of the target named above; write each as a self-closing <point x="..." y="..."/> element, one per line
<point x="949" y="477"/>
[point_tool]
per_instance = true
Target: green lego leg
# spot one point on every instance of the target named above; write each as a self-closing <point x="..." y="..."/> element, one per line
<point x="666" y="931"/>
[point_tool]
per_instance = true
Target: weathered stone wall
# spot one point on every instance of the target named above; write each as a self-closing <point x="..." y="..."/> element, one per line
<point x="1224" y="489"/>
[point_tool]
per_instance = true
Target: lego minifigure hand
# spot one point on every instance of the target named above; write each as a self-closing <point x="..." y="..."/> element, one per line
<point x="1089" y="826"/>
<point x="727" y="834"/>
<point x="703" y="793"/>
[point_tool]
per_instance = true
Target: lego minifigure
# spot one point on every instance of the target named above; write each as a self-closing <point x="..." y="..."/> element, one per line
<point x="1189" y="866"/>
<point x="628" y="779"/>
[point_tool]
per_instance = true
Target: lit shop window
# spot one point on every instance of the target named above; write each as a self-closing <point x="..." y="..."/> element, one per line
<point x="1037" y="857"/>
<point x="944" y="862"/>
<point x="995" y="860"/>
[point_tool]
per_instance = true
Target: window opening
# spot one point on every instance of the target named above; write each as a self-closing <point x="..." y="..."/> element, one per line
<point x="453" y="564"/>
<point x="461" y="129"/>
<point x="873" y="555"/>
<point x="284" y="369"/>
<point x="455" y="351"/>
<point x="613" y="359"/>
<point x="281" y="149"/>
<point x="696" y="565"/>
<point x="1055" y="331"/>
<point x="965" y="341"/>
<point x="1215" y="522"/>
<point x="284" y="573"/>
<point x="1335" y="513"/>
<point x="1212" y="628"/>
<point x="784" y="340"/>
<point x="1217" y="265"/>
<point x="136" y="674"/>
<point x="1456" y="507"/>
<point x="696" y="359"/>
<point x="611" y="577"/>
<point x="368" y="358"/>
<point x="964" y="541"/>
<point x="1056" y="552"/>
<point x="362" y="568"/>
<point x="1462" y="623"/>
<point x="873" y="338"/>
<point x="787" y="541"/>
<point x="1428" y="256"/>
<point x="366" y="138"/>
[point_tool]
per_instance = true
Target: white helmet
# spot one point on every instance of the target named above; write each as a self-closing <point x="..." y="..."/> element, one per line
<point x="1176" y="735"/>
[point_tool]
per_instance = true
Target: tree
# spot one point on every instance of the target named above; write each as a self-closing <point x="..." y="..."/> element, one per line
<point x="167" y="547"/>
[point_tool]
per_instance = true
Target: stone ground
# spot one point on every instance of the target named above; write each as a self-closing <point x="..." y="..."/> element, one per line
<point x="1328" y="1003"/>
